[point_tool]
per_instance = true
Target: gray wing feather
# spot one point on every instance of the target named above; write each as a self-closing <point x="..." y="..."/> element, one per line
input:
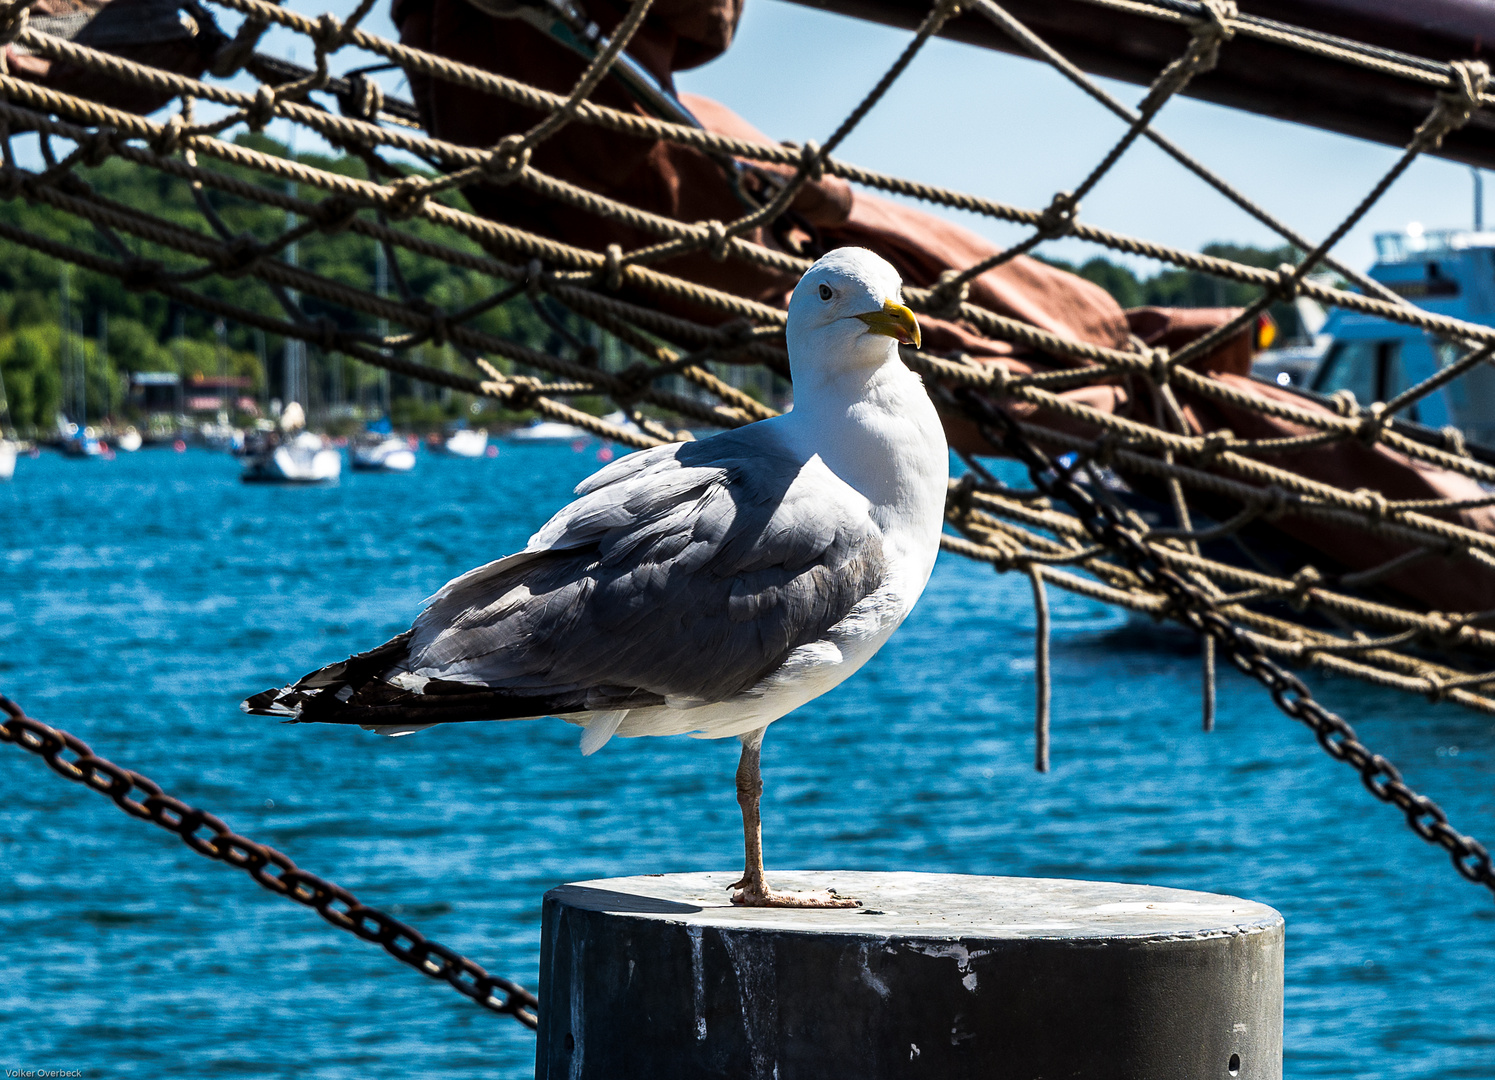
<point x="688" y="571"/>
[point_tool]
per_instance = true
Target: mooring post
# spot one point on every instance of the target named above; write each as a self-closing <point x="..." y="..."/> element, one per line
<point x="936" y="975"/>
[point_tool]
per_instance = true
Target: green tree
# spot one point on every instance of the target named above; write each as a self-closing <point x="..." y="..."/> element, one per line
<point x="1188" y="289"/>
<point x="33" y="383"/>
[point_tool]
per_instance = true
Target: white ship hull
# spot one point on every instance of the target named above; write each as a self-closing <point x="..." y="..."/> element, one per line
<point x="548" y="431"/>
<point x="302" y="461"/>
<point x="391" y="455"/>
<point x="468" y="444"/>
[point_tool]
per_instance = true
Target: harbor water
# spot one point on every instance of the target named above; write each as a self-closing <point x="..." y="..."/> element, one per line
<point x="141" y="599"/>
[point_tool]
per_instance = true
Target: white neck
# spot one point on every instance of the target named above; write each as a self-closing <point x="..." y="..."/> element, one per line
<point x="875" y="427"/>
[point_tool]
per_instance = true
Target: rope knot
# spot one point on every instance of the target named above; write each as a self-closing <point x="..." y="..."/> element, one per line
<point x="99" y="147"/>
<point x="1216" y="24"/>
<point x="1467" y="80"/>
<point x="810" y="162"/>
<point x="1437" y="691"/>
<point x="13" y="22"/>
<point x="407" y="197"/>
<point x="533" y="278"/>
<point x="140" y="275"/>
<point x="333" y="215"/>
<point x="1212" y="446"/>
<point x="1345" y="403"/>
<point x="1159" y="365"/>
<point x="1453" y="441"/>
<point x="522" y="393"/>
<point x="719" y="237"/>
<point x="1304" y="582"/>
<point x="240" y="256"/>
<point x="635" y="378"/>
<point x="1288" y="281"/>
<point x="1206" y="35"/>
<point x="262" y="110"/>
<point x="330" y="34"/>
<point x="364" y="100"/>
<point x="960" y="495"/>
<point x="1058" y="218"/>
<point x="953" y="290"/>
<point x="169" y="138"/>
<point x="440" y="330"/>
<point x="1276" y="502"/>
<point x="1373" y="503"/>
<point x="1373" y="421"/>
<point x="998" y="374"/>
<point x="508" y="160"/>
<point x="1442" y="629"/>
<point x="613" y="267"/>
<point x="737" y="331"/>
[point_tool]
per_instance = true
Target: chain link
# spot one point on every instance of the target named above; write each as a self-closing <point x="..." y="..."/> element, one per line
<point x="1192" y="606"/>
<point x="70" y="757"/>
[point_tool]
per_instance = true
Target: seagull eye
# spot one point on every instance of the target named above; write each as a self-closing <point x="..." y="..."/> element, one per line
<point x="825" y="292"/>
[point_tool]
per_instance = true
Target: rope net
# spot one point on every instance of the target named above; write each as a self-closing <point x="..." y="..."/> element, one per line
<point x="1279" y="525"/>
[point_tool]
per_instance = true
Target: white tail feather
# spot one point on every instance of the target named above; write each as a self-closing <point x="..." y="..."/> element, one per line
<point x="600" y="727"/>
<point x="394" y="731"/>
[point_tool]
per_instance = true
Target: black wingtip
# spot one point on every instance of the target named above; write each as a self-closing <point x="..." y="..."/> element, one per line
<point x="327" y="688"/>
<point x="274" y="702"/>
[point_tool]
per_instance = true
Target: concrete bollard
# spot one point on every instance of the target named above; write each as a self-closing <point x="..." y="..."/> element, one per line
<point x="936" y="975"/>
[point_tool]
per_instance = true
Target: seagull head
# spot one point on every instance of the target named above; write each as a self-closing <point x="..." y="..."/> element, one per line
<point x="847" y="313"/>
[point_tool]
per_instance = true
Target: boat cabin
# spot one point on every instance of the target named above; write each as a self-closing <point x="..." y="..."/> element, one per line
<point x="1450" y="272"/>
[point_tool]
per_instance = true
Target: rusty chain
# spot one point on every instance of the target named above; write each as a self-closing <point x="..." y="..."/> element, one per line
<point x="1196" y="609"/>
<point x="272" y="869"/>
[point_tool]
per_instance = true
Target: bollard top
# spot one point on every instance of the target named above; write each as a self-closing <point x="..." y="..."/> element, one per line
<point x="913" y="905"/>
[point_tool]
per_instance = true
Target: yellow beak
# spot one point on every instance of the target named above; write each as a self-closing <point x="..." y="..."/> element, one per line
<point x="895" y="321"/>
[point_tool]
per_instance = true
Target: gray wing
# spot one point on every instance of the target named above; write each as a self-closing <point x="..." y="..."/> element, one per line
<point x="685" y="573"/>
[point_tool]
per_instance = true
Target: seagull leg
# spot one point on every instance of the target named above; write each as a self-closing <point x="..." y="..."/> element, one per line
<point x="752" y="890"/>
<point x="751" y="887"/>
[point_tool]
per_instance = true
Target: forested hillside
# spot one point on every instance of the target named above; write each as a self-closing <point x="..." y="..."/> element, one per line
<point x="1184" y="288"/>
<point x="112" y="331"/>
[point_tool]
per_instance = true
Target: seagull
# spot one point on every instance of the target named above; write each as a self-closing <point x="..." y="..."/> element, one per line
<point x="705" y="588"/>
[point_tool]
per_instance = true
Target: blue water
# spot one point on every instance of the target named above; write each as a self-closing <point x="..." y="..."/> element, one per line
<point x="141" y="599"/>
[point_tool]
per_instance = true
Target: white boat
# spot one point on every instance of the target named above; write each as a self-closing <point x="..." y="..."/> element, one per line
<point x="83" y="444"/>
<point x="468" y="443"/>
<point x="221" y="437"/>
<point x="386" y="455"/>
<point x="128" y="440"/>
<point x="548" y="431"/>
<point x="304" y="459"/>
<point x="7" y="459"/>
<point x="1446" y="271"/>
<point x="621" y="419"/>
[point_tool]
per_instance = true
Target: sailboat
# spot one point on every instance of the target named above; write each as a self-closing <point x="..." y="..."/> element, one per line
<point x="287" y="458"/>
<point x="548" y="431"/>
<point x="465" y="442"/>
<point x="379" y="450"/>
<point x="79" y="442"/>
